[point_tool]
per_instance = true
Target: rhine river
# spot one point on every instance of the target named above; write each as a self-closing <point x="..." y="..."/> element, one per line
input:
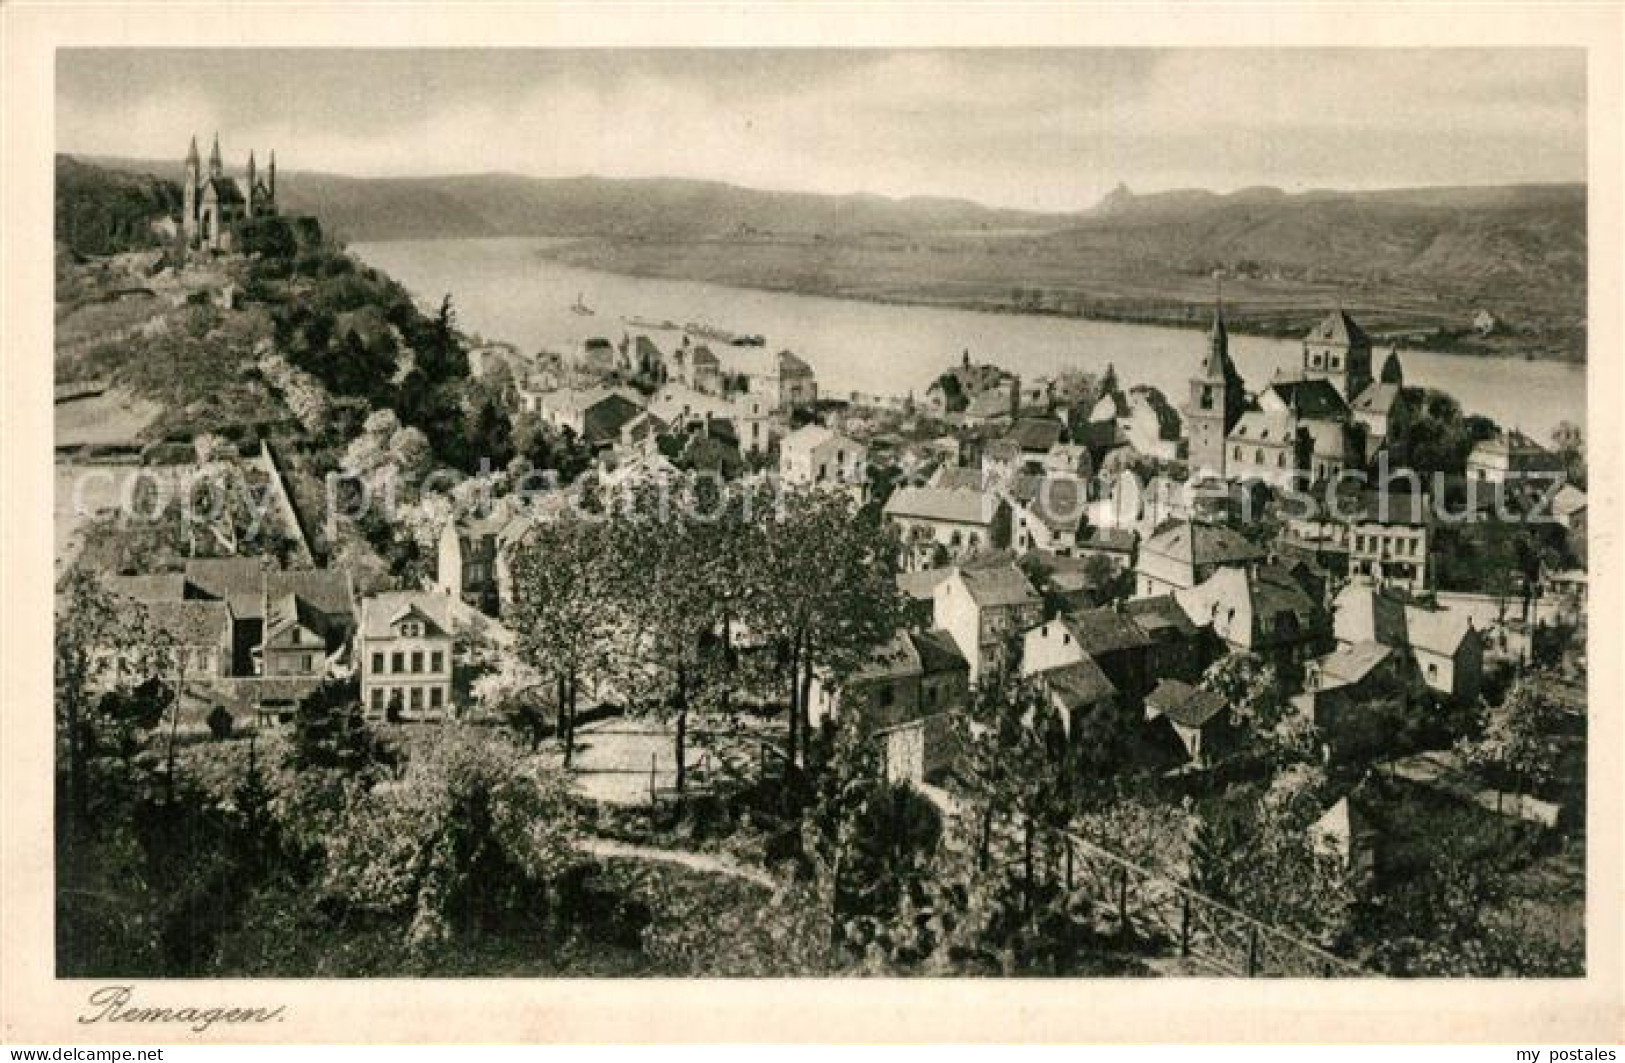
<point x="504" y="290"/>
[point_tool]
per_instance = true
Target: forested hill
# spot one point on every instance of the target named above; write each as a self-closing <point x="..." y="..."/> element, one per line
<point x="101" y="211"/>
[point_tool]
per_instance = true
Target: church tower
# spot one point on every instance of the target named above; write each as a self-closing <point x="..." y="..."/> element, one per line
<point x="1338" y="350"/>
<point x="189" y="193"/>
<point x="1217" y="399"/>
<point x="215" y="167"/>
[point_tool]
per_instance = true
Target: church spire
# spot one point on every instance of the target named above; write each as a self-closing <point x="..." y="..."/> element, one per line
<point x="215" y="167"/>
<point x="191" y="154"/>
<point x="1217" y="365"/>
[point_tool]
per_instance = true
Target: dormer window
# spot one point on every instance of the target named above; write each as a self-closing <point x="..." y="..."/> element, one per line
<point x="411" y="629"/>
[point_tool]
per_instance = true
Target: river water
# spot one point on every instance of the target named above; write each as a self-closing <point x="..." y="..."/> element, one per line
<point x="504" y="290"/>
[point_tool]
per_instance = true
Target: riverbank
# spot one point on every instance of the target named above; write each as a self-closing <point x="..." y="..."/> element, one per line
<point x="1034" y="278"/>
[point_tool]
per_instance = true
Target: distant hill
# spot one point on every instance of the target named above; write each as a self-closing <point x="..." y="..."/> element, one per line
<point x="1458" y="236"/>
<point x="393" y="208"/>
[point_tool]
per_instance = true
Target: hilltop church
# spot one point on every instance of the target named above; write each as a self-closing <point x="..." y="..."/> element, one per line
<point x="213" y="205"/>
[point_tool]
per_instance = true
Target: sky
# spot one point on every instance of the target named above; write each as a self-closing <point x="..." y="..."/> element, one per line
<point x="1035" y="129"/>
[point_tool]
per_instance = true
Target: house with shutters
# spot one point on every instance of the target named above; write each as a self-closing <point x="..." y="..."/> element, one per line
<point x="405" y="647"/>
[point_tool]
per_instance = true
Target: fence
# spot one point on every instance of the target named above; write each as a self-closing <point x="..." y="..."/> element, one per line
<point x="1207" y="931"/>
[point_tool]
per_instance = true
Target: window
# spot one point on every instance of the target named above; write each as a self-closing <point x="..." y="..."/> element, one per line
<point x="435" y="696"/>
<point x="417" y="660"/>
<point x="378" y="697"/>
<point x="397" y="661"/>
<point x="305" y="662"/>
<point x="417" y="697"/>
<point x="1433" y="671"/>
<point x="888" y="697"/>
<point x="1280" y="460"/>
<point x="1258" y="456"/>
<point x="1237" y="453"/>
<point x="1207" y="398"/>
<point x="377" y="663"/>
<point x="1336" y="362"/>
<point x="436" y="661"/>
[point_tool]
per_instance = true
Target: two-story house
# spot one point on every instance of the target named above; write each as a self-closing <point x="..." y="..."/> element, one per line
<point x="1181" y="553"/>
<point x="985" y="609"/>
<point x="405" y="647"/>
<point x="952" y="523"/>
<point x="901" y="697"/>
<point x="815" y="456"/>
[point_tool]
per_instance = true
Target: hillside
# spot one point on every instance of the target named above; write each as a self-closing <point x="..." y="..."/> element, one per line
<point x="100" y="212"/>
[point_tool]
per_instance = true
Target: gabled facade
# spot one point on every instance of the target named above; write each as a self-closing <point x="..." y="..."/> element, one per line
<point x="985" y="611"/>
<point x="405" y="649"/>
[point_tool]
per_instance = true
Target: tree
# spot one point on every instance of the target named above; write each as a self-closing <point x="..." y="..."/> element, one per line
<point x="824" y="591"/>
<point x="331" y="733"/>
<point x="1519" y="745"/>
<point x="1251" y="688"/>
<point x="470" y="840"/>
<point x="564" y="607"/>
<point x="101" y="643"/>
<point x="870" y="841"/>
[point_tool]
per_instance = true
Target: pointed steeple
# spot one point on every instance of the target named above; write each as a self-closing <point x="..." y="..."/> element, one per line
<point x="191" y="154"/>
<point x="1392" y="371"/>
<point x="270" y="176"/>
<point x="1216" y="365"/>
<point x="215" y="167"/>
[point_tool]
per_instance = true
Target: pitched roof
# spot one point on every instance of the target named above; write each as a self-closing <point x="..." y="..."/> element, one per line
<point x="149" y="587"/>
<point x="327" y="589"/>
<point x="938" y="652"/>
<point x="1061" y="503"/>
<point x="1311" y="398"/>
<point x="1378" y="398"/>
<point x="1440" y="631"/>
<point x="922" y="585"/>
<point x="1351" y="663"/>
<point x="1112" y="540"/>
<point x="1184" y="704"/>
<point x="808" y="436"/>
<point x="1339" y="329"/>
<point x="238" y="580"/>
<point x="380" y="611"/>
<point x="289" y="609"/>
<point x="954" y="505"/>
<point x="1362" y="613"/>
<point x="1104" y="630"/>
<point x="1197" y="543"/>
<point x="1261" y="426"/>
<point x="702" y="355"/>
<point x="1079" y="684"/>
<point x="191" y="623"/>
<point x="999" y="585"/>
<point x="225" y="189"/>
<point x="959" y="477"/>
<point x="1160" y="615"/>
<point x="791" y="365"/>
<point x="1036" y="435"/>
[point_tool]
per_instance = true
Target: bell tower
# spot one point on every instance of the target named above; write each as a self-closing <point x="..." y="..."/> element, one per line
<point x="1217" y="398"/>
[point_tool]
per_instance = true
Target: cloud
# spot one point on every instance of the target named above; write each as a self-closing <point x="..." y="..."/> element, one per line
<point x="1036" y="128"/>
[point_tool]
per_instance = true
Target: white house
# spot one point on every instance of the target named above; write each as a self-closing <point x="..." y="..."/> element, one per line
<point x="814" y="455"/>
<point x="405" y="650"/>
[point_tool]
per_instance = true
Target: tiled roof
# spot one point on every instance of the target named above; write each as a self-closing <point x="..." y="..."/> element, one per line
<point x="1105" y="630"/>
<point x="1035" y="435"/>
<point x="1439" y="631"/>
<point x="1260" y="426"/>
<point x="1160" y="614"/>
<point x="1184" y="704"/>
<point x="999" y="585"/>
<point x="960" y="477"/>
<point x="238" y="580"/>
<point x="1079" y="684"/>
<point x="1197" y="543"/>
<point x="791" y="366"/>
<point x="922" y="585"/>
<point x="1361" y="613"/>
<point x="806" y="437"/>
<point x="951" y="504"/>
<point x="1353" y="662"/>
<point x="327" y="589"/>
<point x="192" y="623"/>
<point x="1315" y="398"/>
<point x="153" y="587"/>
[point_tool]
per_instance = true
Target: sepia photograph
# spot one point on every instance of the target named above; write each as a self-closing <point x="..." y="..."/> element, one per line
<point x="845" y="519"/>
<point x="575" y="517"/>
